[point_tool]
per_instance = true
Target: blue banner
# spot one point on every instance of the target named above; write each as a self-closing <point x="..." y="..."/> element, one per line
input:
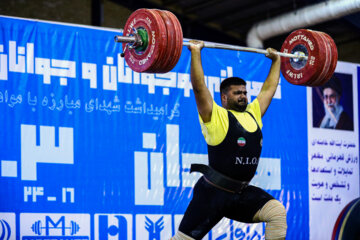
<point x="90" y="149"/>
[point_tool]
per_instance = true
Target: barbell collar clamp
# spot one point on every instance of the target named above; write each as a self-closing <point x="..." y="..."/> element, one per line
<point x="125" y="39"/>
<point x="132" y="41"/>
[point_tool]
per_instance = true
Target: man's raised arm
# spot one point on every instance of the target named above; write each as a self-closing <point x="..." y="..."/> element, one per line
<point x="269" y="87"/>
<point x="204" y="100"/>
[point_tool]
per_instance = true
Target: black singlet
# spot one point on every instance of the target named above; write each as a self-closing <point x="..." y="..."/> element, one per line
<point x="237" y="156"/>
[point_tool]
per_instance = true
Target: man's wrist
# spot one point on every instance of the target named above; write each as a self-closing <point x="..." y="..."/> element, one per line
<point x="276" y="59"/>
<point x="195" y="50"/>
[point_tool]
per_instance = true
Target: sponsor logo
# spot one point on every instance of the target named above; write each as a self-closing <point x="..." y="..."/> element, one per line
<point x="55" y="226"/>
<point x="113" y="226"/>
<point x="5" y="229"/>
<point x="7" y="226"/>
<point x="153" y="226"/>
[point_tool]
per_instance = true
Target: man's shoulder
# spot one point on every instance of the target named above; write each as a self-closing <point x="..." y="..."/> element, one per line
<point x="254" y="108"/>
<point x="215" y="130"/>
<point x="217" y="107"/>
<point x="254" y="104"/>
<point x="218" y="115"/>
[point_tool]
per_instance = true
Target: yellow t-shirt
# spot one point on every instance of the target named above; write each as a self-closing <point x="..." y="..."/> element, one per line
<point x="215" y="131"/>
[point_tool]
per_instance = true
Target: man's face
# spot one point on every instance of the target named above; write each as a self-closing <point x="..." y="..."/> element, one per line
<point x="331" y="99"/>
<point x="235" y="98"/>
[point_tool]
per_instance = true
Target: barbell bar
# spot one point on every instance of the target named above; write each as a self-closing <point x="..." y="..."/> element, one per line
<point x="136" y="41"/>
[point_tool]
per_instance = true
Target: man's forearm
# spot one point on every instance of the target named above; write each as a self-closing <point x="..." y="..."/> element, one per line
<point x="273" y="77"/>
<point x="270" y="85"/>
<point x="202" y="95"/>
<point x="196" y="71"/>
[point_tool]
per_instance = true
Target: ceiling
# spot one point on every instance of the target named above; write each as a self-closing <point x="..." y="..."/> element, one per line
<point x="228" y="21"/>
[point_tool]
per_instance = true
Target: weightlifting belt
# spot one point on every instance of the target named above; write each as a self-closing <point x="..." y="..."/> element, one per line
<point x="219" y="180"/>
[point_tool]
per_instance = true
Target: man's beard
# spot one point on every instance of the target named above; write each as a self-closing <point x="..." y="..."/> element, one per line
<point x="238" y="107"/>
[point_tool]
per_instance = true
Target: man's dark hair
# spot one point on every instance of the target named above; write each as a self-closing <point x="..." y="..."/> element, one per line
<point x="226" y="83"/>
<point x="334" y="83"/>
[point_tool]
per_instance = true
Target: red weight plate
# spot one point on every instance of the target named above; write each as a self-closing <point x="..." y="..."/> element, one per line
<point x="327" y="65"/>
<point x="156" y="67"/>
<point x="334" y="59"/>
<point x="321" y="58"/>
<point x="171" y="43"/>
<point x="179" y="41"/>
<point x="335" y="55"/>
<point x="163" y="39"/>
<point x="324" y="68"/>
<point x="303" y="39"/>
<point x="155" y="27"/>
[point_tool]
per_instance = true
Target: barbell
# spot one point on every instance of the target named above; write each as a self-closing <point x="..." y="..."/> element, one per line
<point x="152" y="42"/>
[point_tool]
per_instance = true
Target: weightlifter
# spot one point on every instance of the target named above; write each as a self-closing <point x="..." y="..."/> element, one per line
<point x="234" y="138"/>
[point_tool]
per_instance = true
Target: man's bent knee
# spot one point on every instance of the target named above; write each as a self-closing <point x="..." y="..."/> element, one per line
<point x="181" y="236"/>
<point x="274" y="214"/>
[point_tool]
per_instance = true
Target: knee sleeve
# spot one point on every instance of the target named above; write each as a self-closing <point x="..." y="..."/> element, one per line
<point x="274" y="214"/>
<point x="181" y="236"/>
